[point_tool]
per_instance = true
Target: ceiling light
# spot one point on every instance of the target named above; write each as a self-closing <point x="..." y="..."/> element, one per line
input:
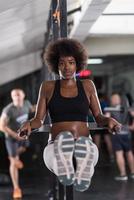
<point x="95" y="61"/>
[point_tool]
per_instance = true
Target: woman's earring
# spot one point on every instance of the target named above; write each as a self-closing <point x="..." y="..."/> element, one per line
<point x="60" y="75"/>
<point x="75" y="74"/>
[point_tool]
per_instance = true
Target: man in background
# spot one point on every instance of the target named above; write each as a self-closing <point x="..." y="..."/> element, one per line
<point x="13" y="115"/>
<point x="122" y="140"/>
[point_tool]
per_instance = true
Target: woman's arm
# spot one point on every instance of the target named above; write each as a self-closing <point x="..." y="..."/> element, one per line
<point x="101" y="119"/>
<point x="41" y="110"/>
<point x="95" y="106"/>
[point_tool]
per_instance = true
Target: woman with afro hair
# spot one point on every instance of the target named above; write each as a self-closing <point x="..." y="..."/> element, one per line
<point x="68" y="102"/>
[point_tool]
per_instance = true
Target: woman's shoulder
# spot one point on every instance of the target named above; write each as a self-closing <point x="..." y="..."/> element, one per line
<point x="88" y="84"/>
<point x="87" y="81"/>
<point x="48" y="84"/>
<point x="48" y="87"/>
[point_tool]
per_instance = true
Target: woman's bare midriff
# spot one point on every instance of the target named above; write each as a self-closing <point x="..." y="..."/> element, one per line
<point x="75" y="127"/>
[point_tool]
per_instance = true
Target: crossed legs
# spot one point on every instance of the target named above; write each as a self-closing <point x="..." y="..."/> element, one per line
<point x="58" y="158"/>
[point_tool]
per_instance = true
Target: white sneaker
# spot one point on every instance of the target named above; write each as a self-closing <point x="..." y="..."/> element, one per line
<point x="63" y="149"/>
<point x="85" y="154"/>
<point x="121" y="178"/>
<point x="132" y="176"/>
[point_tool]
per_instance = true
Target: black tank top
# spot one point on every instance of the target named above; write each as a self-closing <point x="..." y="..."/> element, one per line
<point x="63" y="109"/>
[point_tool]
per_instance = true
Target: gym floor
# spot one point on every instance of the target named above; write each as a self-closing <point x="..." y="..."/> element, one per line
<point x="36" y="184"/>
<point x="36" y="181"/>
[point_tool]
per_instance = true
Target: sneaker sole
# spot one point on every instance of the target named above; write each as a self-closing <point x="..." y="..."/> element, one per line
<point x="84" y="154"/>
<point x="63" y="149"/>
<point x="121" y="179"/>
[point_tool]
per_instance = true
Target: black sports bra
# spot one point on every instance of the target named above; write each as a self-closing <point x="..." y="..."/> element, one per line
<point x="63" y="109"/>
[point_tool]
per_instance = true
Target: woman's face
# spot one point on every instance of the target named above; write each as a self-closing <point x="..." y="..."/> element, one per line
<point x="67" y="67"/>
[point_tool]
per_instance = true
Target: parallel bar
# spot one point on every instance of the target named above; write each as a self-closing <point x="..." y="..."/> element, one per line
<point x="55" y="25"/>
<point x="69" y="193"/>
<point x="63" y="18"/>
<point x="61" y="192"/>
<point x="92" y="126"/>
